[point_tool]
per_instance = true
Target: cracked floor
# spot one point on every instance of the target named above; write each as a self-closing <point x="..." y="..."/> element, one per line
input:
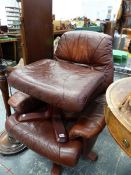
<point x="112" y="160"/>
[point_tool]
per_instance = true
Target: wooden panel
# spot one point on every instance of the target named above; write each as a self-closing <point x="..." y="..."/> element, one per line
<point x="118" y="112"/>
<point x="37" y="30"/>
<point x="119" y="132"/>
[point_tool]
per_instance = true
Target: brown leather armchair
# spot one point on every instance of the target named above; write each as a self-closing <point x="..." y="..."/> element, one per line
<point x="59" y="105"/>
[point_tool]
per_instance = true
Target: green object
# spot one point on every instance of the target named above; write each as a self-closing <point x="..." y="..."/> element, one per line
<point x="8" y="38"/>
<point x="120" y="56"/>
<point x="90" y="28"/>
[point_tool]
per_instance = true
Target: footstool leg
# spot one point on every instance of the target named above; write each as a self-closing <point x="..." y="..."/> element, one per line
<point x="56" y="169"/>
<point x="92" y="156"/>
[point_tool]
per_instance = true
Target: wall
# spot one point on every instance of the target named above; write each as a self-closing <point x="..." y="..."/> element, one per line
<point x="66" y="9"/>
<point x="93" y="9"/>
<point x="3" y="4"/>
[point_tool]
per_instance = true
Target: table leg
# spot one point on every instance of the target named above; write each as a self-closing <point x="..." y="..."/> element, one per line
<point x="15" y="54"/>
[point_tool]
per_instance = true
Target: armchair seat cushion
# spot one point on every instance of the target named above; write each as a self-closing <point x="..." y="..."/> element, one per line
<point x="39" y="136"/>
<point x="59" y="83"/>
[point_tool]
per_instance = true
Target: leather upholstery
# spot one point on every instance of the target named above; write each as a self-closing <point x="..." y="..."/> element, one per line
<point x="75" y="83"/>
<point x="61" y="84"/>
<point x="39" y="136"/>
<point x="91" y="121"/>
<point x="89" y="48"/>
<point x="24" y="103"/>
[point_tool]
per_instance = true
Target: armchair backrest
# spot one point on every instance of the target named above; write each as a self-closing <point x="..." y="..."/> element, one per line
<point x="90" y="48"/>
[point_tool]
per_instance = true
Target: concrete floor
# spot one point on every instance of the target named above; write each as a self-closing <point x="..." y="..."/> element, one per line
<point x="112" y="160"/>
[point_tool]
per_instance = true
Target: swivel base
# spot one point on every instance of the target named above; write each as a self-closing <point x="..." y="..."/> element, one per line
<point x="9" y="145"/>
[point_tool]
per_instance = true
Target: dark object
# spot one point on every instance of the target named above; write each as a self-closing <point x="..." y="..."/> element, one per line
<point x="122" y="18"/>
<point x="5" y="95"/>
<point x="129" y="47"/>
<point x="108" y="28"/>
<point x="4" y="29"/>
<point x="72" y="87"/>
<point x="37" y="31"/>
<point x="4" y="88"/>
<point x="86" y="22"/>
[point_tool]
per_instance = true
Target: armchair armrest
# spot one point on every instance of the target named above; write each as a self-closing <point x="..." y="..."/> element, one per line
<point x="87" y="127"/>
<point x="91" y="122"/>
<point x="23" y="103"/>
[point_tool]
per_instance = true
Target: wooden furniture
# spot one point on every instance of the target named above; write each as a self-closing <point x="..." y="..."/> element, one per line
<point x="118" y="113"/>
<point x="19" y="47"/>
<point x="128" y="14"/>
<point x="8" y="145"/>
<point x="109" y="28"/>
<point x="10" y="40"/>
<point x="126" y="31"/>
<point x="37" y="30"/>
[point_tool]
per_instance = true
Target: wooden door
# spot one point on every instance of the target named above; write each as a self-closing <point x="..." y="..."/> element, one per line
<point x="37" y="30"/>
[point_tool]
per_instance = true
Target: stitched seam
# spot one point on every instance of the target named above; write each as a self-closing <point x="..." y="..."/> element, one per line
<point x="98" y="46"/>
<point x="77" y="44"/>
<point x="67" y="47"/>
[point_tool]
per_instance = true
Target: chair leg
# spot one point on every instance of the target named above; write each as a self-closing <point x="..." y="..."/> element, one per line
<point x="56" y="169"/>
<point x="92" y="156"/>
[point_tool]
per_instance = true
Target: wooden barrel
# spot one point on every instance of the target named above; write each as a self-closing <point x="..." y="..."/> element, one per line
<point x="118" y="112"/>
